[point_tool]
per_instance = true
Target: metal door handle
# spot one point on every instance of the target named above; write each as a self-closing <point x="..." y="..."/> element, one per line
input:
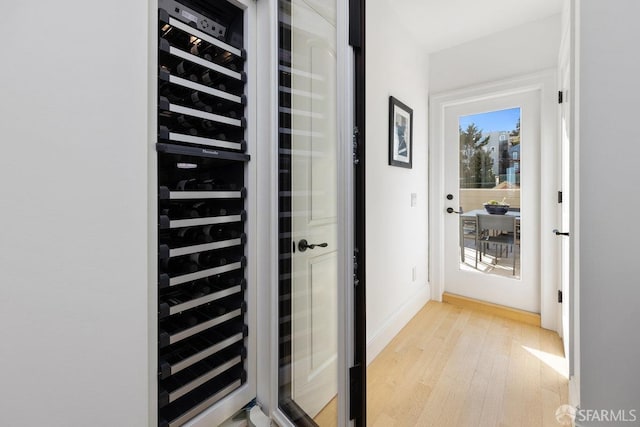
<point x="558" y="233"/>
<point x="451" y="210"/>
<point x="303" y="245"/>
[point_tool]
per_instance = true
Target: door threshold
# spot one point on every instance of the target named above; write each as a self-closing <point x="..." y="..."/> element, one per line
<point x="495" y="309"/>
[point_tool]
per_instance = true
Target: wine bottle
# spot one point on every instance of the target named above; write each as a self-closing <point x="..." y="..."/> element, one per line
<point x="183" y="70"/>
<point x="192" y="236"/>
<point x="199" y="50"/>
<point x="207" y="125"/>
<point x="205" y="289"/>
<point x="207" y="184"/>
<point x="214" y="232"/>
<point x="235" y="234"/>
<point x="174" y="93"/>
<point x="203" y="259"/>
<point x="198" y="102"/>
<point x="180" y="124"/>
<point x="179" y="266"/>
<point x="202" y="208"/>
<point x="188" y="212"/>
<point x="190" y="320"/>
<point x="216" y="310"/>
<point x="177" y="211"/>
<point x="183" y="122"/>
<point x="208" y="259"/>
<point x="198" y="289"/>
<point x="187" y="184"/>
<point x="211" y="78"/>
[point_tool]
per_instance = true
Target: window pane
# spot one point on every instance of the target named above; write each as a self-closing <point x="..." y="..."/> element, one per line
<point x="489" y="186"/>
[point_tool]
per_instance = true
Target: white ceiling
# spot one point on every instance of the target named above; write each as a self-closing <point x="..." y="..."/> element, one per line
<point x="439" y="24"/>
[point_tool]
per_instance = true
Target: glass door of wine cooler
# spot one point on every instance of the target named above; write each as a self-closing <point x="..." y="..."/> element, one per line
<point x="310" y="249"/>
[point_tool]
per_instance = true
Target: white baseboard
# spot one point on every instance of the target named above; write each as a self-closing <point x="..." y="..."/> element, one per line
<point x="396" y="322"/>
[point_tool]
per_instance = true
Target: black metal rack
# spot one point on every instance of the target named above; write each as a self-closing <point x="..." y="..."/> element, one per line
<point x="202" y="327"/>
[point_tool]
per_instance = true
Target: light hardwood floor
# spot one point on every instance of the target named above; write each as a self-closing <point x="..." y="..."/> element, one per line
<point x="453" y="366"/>
<point x="328" y="417"/>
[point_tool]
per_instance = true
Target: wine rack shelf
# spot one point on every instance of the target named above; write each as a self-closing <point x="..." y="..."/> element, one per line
<point x="189" y="195"/>
<point x="184" y="301"/>
<point x="166" y="222"/>
<point x="202" y="160"/>
<point x="166" y="252"/>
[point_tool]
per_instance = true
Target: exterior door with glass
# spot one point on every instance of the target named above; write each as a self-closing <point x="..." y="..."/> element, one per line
<point x="491" y="157"/>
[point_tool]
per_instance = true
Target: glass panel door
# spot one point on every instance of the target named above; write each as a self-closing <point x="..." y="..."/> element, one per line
<point x="308" y="374"/>
<point x="492" y="187"/>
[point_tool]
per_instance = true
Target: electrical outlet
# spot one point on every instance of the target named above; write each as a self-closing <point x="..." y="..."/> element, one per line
<point x="414" y="200"/>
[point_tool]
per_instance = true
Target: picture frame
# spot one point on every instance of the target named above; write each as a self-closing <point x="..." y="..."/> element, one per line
<point x="400" y="134"/>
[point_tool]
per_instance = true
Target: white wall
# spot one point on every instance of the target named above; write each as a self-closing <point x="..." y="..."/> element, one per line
<point x="73" y="204"/>
<point x="396" y="232"/>
<point x="609" y="67"/>
<point x="520" y="50"/>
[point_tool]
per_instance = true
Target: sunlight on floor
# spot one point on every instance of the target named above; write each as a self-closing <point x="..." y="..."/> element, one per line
<point x="555" y="362"/>
<point x="489" y="264"/>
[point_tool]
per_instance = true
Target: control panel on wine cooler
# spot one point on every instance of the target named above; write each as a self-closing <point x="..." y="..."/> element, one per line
<point x="202" y="160"/>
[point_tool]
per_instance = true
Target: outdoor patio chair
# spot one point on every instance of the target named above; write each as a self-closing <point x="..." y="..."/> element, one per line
<point x="497" y="229"/>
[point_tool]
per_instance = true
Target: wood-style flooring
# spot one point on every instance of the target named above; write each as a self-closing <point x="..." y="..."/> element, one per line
<point x="453" y="366"/>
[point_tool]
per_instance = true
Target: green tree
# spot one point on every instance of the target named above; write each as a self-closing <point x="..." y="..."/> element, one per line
<point x="516" y="131"/>
<point x="476" y="165"/>
<point x="515" y="134"/>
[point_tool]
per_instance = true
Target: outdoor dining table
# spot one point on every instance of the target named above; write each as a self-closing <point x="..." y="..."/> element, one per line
<point x="472" y="214"/>
<point x="476" y="212"/>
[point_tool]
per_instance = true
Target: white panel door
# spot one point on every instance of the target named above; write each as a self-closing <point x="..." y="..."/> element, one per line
<point x="565" y="129"/>
<point x="314" y="205"/>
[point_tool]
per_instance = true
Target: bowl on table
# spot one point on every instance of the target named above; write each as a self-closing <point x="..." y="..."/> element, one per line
<point x="494" y="209"/>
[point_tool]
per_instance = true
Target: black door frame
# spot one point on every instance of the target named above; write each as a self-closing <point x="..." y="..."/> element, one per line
<point x="358" y="398"/>
<point x="357" y="373"/>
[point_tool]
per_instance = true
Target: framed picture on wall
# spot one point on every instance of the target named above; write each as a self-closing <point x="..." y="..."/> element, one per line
<point x="400" y="134"/>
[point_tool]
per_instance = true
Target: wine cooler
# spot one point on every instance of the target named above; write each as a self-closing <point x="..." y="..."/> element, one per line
<point x="202" y="234"/>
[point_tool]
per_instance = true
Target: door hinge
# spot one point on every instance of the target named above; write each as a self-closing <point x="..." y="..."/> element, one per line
<point x="354" y="143"/>
<point x="559" y="196"/>
<point x="560" y="97"/>
<point x="559" y="296"/>
<point x="355" y="391"/>
<point x="356" y="281"/>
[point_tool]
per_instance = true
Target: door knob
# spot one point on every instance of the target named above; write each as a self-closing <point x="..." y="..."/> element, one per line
<point x="303" y="245"/>
<point x="559" y="233"/>
<point x="451" y="210"/>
